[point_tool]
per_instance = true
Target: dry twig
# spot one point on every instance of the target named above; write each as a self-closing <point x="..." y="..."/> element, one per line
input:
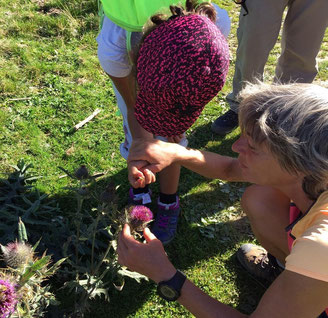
<point x="83" y="122"/>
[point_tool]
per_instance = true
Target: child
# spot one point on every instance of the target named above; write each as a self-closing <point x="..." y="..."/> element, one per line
<point x="181" y="65"/>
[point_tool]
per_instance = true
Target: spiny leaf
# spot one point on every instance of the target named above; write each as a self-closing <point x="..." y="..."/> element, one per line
<point x="36" y="266"/>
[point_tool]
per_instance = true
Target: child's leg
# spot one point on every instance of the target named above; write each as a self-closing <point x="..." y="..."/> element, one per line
<point x="169" y="179"/>
<point x="168" y="206"/>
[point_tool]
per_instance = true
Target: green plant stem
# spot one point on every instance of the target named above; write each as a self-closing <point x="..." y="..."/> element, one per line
<point x="93" y="242"/>
<point x="78" y="225"/>
<point x="78" y="215"/>
<point x="105" y="255"/>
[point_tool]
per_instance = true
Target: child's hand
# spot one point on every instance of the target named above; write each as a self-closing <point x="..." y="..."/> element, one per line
<point x="138" y="174"/>
<point x="175" y="139"/>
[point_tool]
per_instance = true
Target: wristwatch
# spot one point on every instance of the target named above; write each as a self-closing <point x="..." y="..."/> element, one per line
<point x="170" y="290"/>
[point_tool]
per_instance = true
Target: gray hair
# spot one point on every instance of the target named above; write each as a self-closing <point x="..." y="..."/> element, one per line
<point x="292" y="121"/>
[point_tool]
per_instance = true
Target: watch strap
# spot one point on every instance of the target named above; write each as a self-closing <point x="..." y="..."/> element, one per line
<point x="176" y="283"/>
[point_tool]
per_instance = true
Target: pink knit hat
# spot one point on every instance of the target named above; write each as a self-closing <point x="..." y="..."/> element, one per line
<point x="181" y="66"/>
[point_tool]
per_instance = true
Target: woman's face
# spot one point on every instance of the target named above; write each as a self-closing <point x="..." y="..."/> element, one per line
<point x="259" y="166"/>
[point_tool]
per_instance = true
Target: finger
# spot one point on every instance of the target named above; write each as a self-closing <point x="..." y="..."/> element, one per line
<point x="154" y="168"/>
<point x="176" y="139"/>
<point x="124" y="237"/>
<point x="149" y="176"/>
<point x="127" y="237"/>
<point x="148" y="235"/>
<point x="135" y="176"/>
<point x="126" y="232"/>
<point x="135" y="183"/>
<point x="141" y="182"/>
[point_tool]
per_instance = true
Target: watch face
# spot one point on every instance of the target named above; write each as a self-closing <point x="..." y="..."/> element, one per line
<point x="168" y="292"/>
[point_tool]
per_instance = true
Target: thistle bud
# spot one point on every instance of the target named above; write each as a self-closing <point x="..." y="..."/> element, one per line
<point x="108" y="195"/>
<point x="17" y="254"/>
<point x="82" y="173"/>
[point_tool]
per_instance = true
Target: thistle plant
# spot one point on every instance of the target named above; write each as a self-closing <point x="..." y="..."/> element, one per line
<point x="23" y="288"/>
<point x="88" y="250"/>
<point x="91" y="248"/>
<point x="20" y="200"/>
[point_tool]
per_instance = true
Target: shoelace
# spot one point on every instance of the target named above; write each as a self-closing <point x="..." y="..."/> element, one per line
<point x="163" y="221"/>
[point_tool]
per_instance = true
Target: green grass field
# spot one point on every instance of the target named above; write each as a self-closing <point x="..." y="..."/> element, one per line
<point x="50" y="80"/>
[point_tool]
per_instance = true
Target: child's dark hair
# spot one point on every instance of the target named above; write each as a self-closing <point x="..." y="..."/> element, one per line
<point x="192" y="7"/>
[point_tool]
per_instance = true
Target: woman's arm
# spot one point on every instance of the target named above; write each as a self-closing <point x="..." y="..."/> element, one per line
<point x="158" y="155"/>
<point x="151" y="260"/>
<point x="291" y="295"/>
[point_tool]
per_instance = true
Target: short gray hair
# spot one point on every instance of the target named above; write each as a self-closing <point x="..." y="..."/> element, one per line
<point x="292" y="121"/>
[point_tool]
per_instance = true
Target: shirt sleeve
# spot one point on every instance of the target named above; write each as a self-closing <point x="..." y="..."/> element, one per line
<point x="309" y="254"/>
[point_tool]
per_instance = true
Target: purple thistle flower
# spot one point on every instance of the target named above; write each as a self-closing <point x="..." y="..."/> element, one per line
<point x="141" y="213"/>
<point x="139" y="217"/>
<point x="8" y="298"/>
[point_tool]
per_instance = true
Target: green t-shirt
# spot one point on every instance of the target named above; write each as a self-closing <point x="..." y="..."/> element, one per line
<point x="131" y="15"/>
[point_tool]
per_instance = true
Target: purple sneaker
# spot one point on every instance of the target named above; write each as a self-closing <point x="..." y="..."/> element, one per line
<point x="140" y="198"/>
<point x="166" y="222"/>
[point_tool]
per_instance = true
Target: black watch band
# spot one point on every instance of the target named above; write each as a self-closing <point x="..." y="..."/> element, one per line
<point x="170" y="290"/>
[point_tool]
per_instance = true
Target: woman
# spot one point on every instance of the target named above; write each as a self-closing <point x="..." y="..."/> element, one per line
<point x="283" y="151"/>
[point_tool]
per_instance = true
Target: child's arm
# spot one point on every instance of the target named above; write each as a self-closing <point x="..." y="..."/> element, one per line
<point x="127" y="88"/>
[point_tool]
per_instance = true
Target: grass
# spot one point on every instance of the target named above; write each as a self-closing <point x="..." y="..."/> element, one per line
<point x="50" y="80"/>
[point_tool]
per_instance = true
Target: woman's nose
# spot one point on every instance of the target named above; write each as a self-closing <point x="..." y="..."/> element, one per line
<point x="239" y="145"/>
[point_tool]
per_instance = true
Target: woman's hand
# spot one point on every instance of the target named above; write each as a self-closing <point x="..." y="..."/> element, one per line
<point x="146" y="158"/>
<point x="147" y="258"/>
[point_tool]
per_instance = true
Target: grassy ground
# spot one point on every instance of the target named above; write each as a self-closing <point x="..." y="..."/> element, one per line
<point x="50" y="80"/>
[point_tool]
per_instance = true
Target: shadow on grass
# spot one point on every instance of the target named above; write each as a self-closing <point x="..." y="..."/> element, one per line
<point x="203" y="138"/>
<point x="250" y="290"/>
<point x="188" y="248"/>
